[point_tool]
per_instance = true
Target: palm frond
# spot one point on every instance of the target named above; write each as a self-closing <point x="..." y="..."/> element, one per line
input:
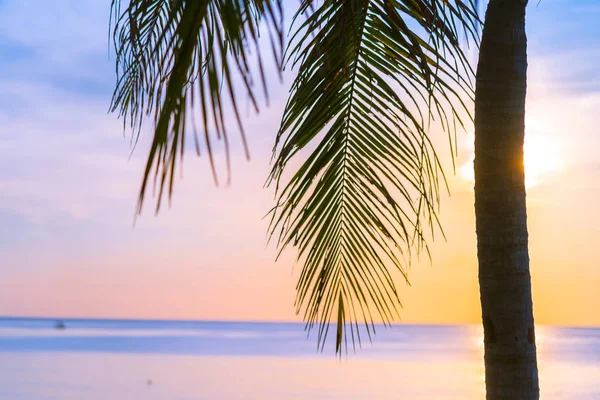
<point x="176" y="58"/>
<point x="373" y="75"/>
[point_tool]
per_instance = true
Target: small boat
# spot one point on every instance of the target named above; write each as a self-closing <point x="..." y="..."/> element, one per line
<point x="60" y="325"/>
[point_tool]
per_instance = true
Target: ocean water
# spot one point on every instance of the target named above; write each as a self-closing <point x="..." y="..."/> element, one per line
<point x="113" y="359"/>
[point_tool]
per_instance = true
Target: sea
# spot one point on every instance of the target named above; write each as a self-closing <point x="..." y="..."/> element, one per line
<point x="206" y="360"/>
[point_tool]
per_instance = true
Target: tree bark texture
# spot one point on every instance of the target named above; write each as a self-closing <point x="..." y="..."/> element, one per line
<point x="500" y="206"/>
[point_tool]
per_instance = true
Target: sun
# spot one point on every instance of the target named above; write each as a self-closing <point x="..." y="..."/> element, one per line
<point x="542" y="160"/>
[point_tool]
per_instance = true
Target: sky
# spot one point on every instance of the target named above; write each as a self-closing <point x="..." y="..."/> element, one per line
<point x="69" y="182"/>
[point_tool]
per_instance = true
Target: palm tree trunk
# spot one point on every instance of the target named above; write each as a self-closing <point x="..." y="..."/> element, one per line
<point x="500" y="207"/>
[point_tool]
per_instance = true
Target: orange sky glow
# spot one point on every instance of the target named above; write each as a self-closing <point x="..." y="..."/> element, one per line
<point x="68" y="192"/>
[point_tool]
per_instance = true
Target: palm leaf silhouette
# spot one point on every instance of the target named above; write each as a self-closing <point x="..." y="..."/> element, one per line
<point x="174" y="56"/>
<point x="372" y="76"/>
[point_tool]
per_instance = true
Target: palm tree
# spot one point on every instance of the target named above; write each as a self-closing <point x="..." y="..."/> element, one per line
<point x="372" y="76"/>
<point x="500" y="209"/>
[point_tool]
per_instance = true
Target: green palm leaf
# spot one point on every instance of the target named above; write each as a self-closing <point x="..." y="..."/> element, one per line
<point x="372" y="75"/>
<point x="176" y="57"/>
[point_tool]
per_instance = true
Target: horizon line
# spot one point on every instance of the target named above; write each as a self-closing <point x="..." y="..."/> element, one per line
<point x="134" y="319"/>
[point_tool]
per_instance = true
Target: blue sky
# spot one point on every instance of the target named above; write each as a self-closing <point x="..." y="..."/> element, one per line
<point x="68" y="186"/>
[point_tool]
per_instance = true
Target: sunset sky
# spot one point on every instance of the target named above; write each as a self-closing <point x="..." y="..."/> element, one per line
<point x="68" y="189"/>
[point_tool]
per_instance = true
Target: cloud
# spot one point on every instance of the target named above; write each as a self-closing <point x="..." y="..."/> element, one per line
<point x="66" y="179"/>
<point x="61" y="43"/>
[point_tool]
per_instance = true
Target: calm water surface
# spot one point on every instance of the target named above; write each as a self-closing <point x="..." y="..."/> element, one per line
<point x="105" y="359"/>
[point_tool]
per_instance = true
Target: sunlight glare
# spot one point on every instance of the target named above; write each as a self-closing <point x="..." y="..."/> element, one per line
<point x="542" y="159"/>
